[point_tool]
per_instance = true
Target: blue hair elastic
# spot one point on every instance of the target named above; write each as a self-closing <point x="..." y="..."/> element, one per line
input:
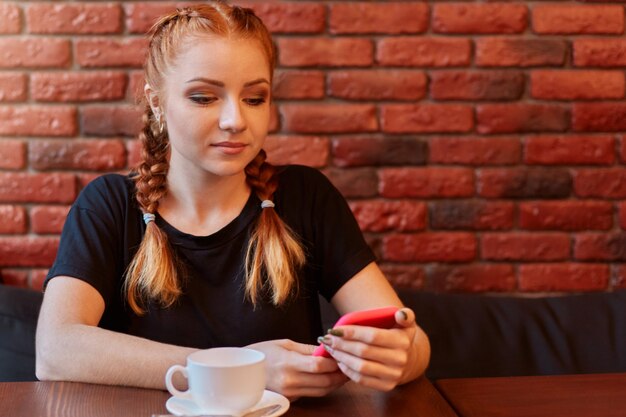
<point x="148" y="217"/>
<point x="267" y="203"/>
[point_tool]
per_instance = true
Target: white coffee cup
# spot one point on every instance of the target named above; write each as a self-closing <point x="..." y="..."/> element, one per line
<point x="221" y="380"/>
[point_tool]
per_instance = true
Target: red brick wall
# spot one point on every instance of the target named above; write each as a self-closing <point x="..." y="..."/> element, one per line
<point x="481" y="145"/>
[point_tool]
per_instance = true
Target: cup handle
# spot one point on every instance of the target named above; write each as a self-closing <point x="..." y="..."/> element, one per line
<point x="170" y="386"/>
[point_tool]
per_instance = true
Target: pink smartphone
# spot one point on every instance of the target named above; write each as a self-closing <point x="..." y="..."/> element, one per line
<point x="383" y="318"/>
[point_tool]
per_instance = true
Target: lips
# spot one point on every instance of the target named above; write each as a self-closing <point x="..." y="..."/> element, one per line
<point x="230" y="148"/>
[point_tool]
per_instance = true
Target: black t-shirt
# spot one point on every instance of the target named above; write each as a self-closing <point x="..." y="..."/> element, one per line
<point x="105" y="226"/>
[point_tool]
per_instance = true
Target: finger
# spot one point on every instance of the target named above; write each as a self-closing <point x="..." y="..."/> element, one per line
<point x="368" y="381"/>
<point x="391" y="357"/>
<point x="405" y="317"/>
<point x="365" y="367"/>
<point x="388" y="338"/>
<point x="311" y="364"/>
<point x="306" y="380"/>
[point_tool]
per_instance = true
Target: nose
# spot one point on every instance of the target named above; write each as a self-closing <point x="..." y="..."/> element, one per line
<point x="231" y="117"/>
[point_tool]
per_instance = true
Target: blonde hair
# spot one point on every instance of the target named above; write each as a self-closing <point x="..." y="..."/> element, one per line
<point x="274" y="254"/>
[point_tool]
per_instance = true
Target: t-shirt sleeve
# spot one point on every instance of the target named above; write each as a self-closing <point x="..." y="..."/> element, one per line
<point x="90" y="244"/>
<point x="339" y="249"/>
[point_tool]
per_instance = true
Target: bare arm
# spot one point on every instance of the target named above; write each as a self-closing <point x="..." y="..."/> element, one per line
<point x="374" y="357"/>
<point x="71" y="347"/>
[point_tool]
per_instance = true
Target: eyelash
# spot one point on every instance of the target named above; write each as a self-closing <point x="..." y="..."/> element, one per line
<point x="205" y="101"/>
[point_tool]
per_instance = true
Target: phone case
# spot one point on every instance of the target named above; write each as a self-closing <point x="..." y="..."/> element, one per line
<point x="383" y="318"/>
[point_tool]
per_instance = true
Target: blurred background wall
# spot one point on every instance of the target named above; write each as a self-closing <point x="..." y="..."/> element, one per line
<point x="481" y="144"/>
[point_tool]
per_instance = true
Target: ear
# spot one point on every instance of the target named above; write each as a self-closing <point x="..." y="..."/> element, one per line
<point x="153" y="99"/>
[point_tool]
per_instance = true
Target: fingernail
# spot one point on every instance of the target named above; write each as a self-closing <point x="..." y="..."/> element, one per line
<point x="323" y="339"/>
<point x="336" y="332"/>
<point x="328" y="348"/>
<point x="404" y="315"/>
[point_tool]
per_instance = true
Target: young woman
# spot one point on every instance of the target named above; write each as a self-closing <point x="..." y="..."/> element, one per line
<point x="206" y="244"/>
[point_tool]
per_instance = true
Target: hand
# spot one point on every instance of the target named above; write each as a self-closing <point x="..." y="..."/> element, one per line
<point x="294" y="372"/>
<point x="376" y="358"/>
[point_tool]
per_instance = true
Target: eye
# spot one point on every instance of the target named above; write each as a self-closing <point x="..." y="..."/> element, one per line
<point x="202" y="100"/>
<point x="255" y="101"/>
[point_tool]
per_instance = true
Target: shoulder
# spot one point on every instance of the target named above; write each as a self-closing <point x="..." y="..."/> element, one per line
<point x="296" y="176"/>
<point x="106" y="193"/>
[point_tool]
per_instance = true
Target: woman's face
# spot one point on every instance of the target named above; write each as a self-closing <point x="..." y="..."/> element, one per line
<point x="216" y="105"/>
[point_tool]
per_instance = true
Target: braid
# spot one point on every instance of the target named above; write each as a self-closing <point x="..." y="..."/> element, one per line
<point x="273" y="251"/>
<point x="152" y="274"/>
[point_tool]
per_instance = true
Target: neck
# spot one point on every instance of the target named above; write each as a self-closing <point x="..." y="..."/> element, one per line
<point x="203" y="205"/>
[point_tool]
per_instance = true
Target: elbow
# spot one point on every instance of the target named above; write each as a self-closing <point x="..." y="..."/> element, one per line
<point x="48" y="363"/>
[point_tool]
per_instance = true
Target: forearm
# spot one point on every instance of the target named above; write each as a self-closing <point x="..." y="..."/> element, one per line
<point x="419" y="357"/>
<point x="84" y="353"/>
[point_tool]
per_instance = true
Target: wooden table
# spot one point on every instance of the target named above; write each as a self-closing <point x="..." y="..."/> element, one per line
<point x="599" y="395"/>
<point x="67" y="399"/>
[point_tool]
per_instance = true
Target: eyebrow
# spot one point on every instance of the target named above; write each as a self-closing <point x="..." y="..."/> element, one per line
<point x="221" y="84"/>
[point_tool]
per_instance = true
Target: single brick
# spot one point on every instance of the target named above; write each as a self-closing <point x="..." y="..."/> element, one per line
<point x="329" y="118"/>
<point x="11" y="18"/>
<point x="37" y="121"/>
<point x="15" y="277"/>
<point x="331" y="52"/>
<point x="79" y="86"/>
<point x="48" y="219"/>
<point x="12" y="219"/>
<point x="600" y="182"/>
<point x="607" y="52"/>
<point x="521" y="117"/>
<point x="430" y="247"/>
<point x="476" y="85"/>
<point x="377" y="85"/>
<point x="87" y="155"/>
<point x="563" y="277"/>
<point x="12" y="154"/>
<point x="426" y="182"/>
<point x="471" y="215"/>
<point x="387" y="18"/>
<point x="479" y="18"/>
<point x="34" y="53"/>
<point x="424" y="52"/>
<point x="600" y="247"/>
<point x="12" y="87"/>
<point x="599" y="117"/>
<point x="356" y="182"/>
<point x="426" y="118"/>
<point x="519" y="52"/>
<point x="289" y="17"/>
<point x="37" y="188"/>
<point x="28" y="251"/>
<point x="472" y="278"/>
<point x="524" y="183"/>
<point x="364" y="150"/>
<point x="475" y="150"/>
<point x="566" y="215"/>
<point x="381" y="215"/>
<point x="404" y="276"/>
<point x="569" y="19"/>
<point x="576" y="84"/>
<point x="103" y="52"/>
<point x="70" y="18"/>
<point x="295" y="84"/>
<point x="303" y="150"/>
<point x="111" y="120"/>
<point x="525" y="246"/>
<point x="570" y="150"/>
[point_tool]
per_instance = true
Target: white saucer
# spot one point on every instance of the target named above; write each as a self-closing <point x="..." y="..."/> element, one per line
<point x="180" y="407"/>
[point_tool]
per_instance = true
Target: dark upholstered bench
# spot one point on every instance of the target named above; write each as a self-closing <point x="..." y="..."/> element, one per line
<point x="19" y="309"/>
<point x="471" y="335"/>
<point x="480" y="335"/>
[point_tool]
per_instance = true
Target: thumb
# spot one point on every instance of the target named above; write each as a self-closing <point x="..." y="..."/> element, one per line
<point x="405" y="317"/>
